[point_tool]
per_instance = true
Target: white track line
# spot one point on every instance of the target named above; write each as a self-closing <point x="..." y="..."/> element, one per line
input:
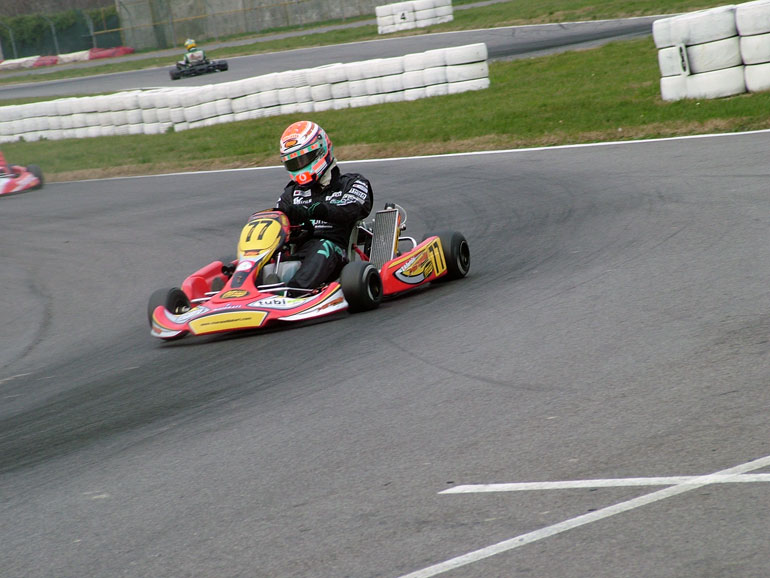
<point x="506" y="545"/>
<point x="607" y="483"/>
<point x="440" y="156"/>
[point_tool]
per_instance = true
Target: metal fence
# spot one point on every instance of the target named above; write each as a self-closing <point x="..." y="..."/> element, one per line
<point x="102" y="31"/>
<point x="154" y="24"/>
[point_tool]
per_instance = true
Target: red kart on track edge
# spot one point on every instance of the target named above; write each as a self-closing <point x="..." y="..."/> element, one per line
<point x="249" y="292"/>
<point x="17" y="178"/>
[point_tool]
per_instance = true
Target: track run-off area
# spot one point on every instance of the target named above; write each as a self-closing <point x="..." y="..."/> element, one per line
<point x="591" y="400"/>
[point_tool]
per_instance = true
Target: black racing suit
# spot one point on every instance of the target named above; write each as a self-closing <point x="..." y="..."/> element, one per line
<point x="348" y="198"/>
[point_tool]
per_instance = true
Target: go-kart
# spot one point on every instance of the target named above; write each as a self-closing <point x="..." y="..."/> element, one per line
<point x="196" y="69"/>
<point x="250" y="291"/>
<point x="17" y="178"/>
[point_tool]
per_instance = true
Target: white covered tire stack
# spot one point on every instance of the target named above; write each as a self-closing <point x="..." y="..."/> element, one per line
<point x="699" y="55"/>
<point x="400" y="16"/>
<point x="752" y="20"/>
<point x="335" y="86"/>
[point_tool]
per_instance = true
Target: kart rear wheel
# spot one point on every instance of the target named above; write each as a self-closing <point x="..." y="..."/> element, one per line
<point x="174" y="299"/>
<point x="361" y="286"/>
<point x="36" y="170"/>
<point x="457" y="255"/>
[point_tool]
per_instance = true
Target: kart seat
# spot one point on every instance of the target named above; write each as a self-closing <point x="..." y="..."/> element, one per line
<point x="357" y="238"/>
<point x="285" y="271"/>
<point x="195" y="57"/>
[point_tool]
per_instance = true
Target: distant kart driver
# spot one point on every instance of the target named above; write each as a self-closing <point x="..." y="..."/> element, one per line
<point x="319" y="193"/>
<point x="194" y="55"/>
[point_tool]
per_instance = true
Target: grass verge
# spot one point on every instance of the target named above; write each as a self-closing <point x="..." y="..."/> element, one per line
<point x="515" y="12"/>
<point x="598" y="95"/>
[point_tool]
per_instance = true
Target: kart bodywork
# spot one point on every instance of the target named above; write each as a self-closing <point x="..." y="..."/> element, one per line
<point x="250" y="292"/>
<point x="17" y="178"/>
<point x="197" y="69"/>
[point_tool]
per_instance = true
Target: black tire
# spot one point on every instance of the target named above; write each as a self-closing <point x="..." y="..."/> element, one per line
<point x="174" y="299"/>
<point x="222" y="65"/>
<point x="227" y="262"/>
<point x="361" y="286"/>
<point x="457" y="255"/>
<point x="37" y="171"/>
<point x="174" y="74"/>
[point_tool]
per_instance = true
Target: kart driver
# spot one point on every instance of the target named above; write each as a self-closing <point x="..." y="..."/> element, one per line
<point x="318" y="192"/>
<point x="194" y="55"/>
<point x="5" y="169"/>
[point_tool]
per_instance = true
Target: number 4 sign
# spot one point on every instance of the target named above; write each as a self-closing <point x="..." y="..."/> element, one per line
<point x="405" y="15"/>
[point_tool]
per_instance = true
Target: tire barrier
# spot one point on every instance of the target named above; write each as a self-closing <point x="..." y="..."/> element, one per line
<point x="714" y="53"/>
<point x="752" y="20"/>
<point x="81" y="56"/>
<point x="330" y="87"/>
<point x="415" y="14"/>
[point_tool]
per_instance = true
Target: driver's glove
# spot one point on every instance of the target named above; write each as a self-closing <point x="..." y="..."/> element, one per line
<point x="318" y="211"/>
<point x="297" y="214"/>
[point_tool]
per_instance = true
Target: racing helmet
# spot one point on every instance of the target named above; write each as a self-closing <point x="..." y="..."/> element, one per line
<point x="306" y="152"/>
<point x="189" y="44"/>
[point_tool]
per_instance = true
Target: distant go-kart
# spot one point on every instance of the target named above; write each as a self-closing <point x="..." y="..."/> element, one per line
<point x="18" y="178"/>
<point x="250" y="292"/>
<point x="198" y="68"/>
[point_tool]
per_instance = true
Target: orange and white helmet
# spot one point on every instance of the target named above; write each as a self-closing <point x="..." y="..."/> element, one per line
<point x="306" y="152"/>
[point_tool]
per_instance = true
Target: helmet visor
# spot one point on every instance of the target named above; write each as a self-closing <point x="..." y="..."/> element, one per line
<point x="303" y="158"/>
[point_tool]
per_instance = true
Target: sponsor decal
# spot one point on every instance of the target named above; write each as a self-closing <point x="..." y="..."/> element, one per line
<point x="191" y="314"/>
<point x="332" y="303"/>
<point x="359" y="193"/>
<point x="234" y="294"/>
<point x="228" y="321"/>
<point x="290" y="142"/>
<point x="228" y="306"/>
<point x="162" y="332"/>
<point x="244" y="266"/>
<point x="413" y="271"/>
<point x="418" y="268"/>
<point x="360" y="189"/>
<point x="349" y="199"/>
<point x="277" y="302"/>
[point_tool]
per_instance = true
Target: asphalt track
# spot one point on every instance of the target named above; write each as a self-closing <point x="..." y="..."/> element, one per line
<point x="507" y="42"/>
<point x="614" y="325"/>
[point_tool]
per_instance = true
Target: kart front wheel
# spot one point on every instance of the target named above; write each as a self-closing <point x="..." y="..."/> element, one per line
<point x="175" y="74"/>
<point x="37" y="171"/>
<point x="457" y="255"/>
<point x="174" y="299"/>
<point x="361" y="286"/>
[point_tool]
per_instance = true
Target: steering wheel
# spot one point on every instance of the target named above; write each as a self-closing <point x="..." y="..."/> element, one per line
<point x="302" y="232"/>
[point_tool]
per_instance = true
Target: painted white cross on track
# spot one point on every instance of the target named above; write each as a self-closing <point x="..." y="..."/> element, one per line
<point x="606" y="483"/>
<point x="676" y="485"/>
